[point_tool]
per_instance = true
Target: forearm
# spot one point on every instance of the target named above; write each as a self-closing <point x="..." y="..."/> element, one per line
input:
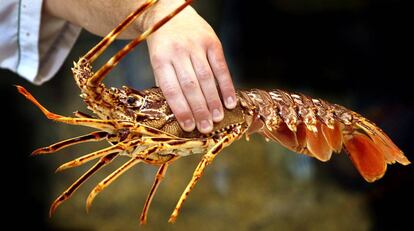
<point x="101" y="16"/>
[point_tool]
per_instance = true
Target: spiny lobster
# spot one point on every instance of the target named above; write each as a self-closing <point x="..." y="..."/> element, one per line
<point x="140" y="125"/>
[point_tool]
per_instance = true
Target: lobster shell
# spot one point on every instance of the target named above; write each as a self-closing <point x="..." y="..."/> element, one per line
<point x="317" y="128"/>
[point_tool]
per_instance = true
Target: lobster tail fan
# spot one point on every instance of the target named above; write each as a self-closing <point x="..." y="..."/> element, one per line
<point x="367" y="158"/>
<point x="390" y="151"/>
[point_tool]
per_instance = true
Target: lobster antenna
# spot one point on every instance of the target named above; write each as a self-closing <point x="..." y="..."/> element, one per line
<point x="97" y="50"/>
<point x="101" y="73"/>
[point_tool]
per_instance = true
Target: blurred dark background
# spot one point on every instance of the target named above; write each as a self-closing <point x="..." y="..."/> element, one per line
<point x="351" y="52"/>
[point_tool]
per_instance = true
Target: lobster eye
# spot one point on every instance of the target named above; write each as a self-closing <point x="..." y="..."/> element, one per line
<point x="131" y="100"/>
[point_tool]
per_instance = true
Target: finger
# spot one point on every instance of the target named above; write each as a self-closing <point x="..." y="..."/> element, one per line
<point x="208" y="85"/>
<point x="222" y="74"/>
<point x="192" y="92"/>
<point x="171" y="89"/>
<point x="156" y="82"/>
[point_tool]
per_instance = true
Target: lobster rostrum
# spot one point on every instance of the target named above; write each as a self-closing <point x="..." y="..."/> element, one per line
<point x="141" y="126"/>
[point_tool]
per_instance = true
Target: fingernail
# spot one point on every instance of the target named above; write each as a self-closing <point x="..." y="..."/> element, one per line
<point x="205" y="126"/>
<point x="217" y="116"/>
<point x="188" y="125"/>
<point x="230" y="102"/>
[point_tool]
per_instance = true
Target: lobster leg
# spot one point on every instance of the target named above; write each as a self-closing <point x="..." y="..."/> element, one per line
<point x="140" y="157"/>
<point x="109" y="179"/>
<point x="72" y="189"/>
<point x="101" y="73"/>
<point x="82" y="115"/>
<point x="158" y="178"/>
<point x="94" y="136"/>
<point x="206" y="160"/>
<point x="119" y="147"/>
<point x="170" y="143"/>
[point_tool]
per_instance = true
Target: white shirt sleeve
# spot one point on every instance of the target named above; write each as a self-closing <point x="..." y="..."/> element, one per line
<point x="31" y="44"/>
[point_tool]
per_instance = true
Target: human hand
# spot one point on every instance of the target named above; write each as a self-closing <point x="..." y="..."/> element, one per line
<point x="186" y="55"/>
<point x="187" y="59"/>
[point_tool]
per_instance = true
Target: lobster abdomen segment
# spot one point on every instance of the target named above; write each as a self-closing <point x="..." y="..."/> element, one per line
<point x="317" y="128"/>
<point x="333" y="136"/>
<point x="317" y="144"/>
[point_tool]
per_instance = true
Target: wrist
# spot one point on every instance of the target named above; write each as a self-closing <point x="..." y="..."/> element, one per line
<point x="161" y="9"/>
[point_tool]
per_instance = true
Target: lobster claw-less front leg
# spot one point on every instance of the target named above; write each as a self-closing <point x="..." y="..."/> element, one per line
<point x="158" y="178"/>
<point x="72" y="189"/>
<point x="224" y="141"/>
<point x="93" y="136"/>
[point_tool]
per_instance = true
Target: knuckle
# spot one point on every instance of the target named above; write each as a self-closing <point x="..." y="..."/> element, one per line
<point x="157" y="60"/>
<point x="204" y="73"/>
<point x="169" y="91"/>
<point x="214" y="102"/>
<point x="200" y="112"/>
<point x="221" y="68"/>
<point x="216" y="45"/>
<point x="228" y="90"/>
<point x="188" y="84"/>
<point x="182" y="114"/>
<point x="177" y="47"/>
<point x="224" y="80"/>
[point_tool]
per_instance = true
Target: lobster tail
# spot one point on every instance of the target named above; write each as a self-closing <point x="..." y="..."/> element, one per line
<point x="317" y="128"/>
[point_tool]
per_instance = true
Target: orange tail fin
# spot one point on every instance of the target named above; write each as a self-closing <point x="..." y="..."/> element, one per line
<point x="390" y="151"/>
<point x="367" y="158"/>
<point x="372" y="151"/>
